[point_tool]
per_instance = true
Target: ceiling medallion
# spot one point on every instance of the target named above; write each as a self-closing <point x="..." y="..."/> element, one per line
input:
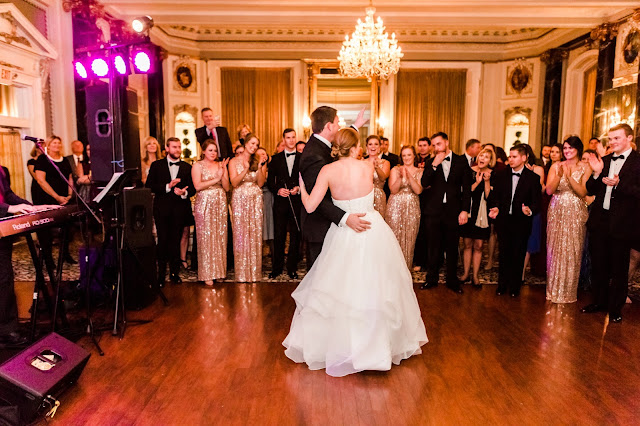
<point x="370" y="52"/>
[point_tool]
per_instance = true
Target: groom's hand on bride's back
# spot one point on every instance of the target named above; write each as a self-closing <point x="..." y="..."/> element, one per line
<point x="355" y="222"/>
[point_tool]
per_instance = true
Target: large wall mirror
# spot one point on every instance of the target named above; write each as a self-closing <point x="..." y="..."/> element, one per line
<point x="516" y="127"/>
<point x="347" y="95"/>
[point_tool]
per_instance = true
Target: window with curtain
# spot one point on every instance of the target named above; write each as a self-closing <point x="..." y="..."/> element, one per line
<point x="11" y="158"/>
<point x="259" y="97"/>
<point x="430" y="101"/>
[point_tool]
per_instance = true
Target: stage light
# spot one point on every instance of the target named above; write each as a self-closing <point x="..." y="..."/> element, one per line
<point x="100" y="67"/>
<point x="142" y="24"/>
<point x="120" y="65"/>
<point x="81" y="71"/>
<point x="142" y="61"/>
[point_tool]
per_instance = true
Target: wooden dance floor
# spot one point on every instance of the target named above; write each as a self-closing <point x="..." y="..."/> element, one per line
<point x="214" y="357"/>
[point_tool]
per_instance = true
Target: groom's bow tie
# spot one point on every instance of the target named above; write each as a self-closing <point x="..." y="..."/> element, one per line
<point x="289" y="154"/>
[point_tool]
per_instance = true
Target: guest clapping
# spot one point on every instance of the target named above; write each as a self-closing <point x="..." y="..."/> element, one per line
<point x="381" y="170"/>
<point x="211" y="181"/>
<point x="247" y="175"/>
<point x="567" y="217"/>
<point x="403" y="209"/>
<point x="477" y="230"/>
<point x="55" y="188"/>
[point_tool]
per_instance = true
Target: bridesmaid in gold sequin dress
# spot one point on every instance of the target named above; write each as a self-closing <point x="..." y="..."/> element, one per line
<point x="566" y="226"/>
<point x="381" y="170"/>
<point x="247" y="176"/>
<point x="403" y="209"/>
<point x="211" y="180"/>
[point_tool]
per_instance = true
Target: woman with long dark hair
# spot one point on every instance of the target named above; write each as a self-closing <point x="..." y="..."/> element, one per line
<point x="566" y="226"/>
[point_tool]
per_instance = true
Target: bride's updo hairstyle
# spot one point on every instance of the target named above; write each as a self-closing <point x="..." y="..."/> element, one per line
<point x="345" y="140"/>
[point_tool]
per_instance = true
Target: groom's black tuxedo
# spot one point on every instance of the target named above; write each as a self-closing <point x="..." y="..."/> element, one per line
<point x="317" y="154"/>
<point x="612" y="233"/>
<point x="283" y="212"/>
<point x="514" y="228"/>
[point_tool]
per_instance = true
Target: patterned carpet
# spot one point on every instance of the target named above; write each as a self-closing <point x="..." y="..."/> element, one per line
<point x="24" y="271"/>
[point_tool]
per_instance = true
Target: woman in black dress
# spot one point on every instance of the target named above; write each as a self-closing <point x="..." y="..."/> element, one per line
<point x="477" y="229"/>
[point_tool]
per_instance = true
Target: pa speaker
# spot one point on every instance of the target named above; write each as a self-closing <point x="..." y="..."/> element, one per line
<point x="112" y="150"/>
<point x="34" y="379"/>
<point x="138" y="218"/>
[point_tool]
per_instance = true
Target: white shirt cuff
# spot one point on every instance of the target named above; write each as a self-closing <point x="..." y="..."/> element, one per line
<point x="168" y="189"/>
<point x="343" y="221"/>
<point x="184" y="196"/>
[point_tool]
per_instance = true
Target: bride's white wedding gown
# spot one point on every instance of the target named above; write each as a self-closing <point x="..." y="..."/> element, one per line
<point x="356" y="309"/>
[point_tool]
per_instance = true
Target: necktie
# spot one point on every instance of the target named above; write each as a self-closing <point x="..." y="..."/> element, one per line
<point x="289" y="154"/>
<point x="619" y="157"/>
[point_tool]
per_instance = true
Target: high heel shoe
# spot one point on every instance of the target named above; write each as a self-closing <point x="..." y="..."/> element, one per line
<point x="184" y="263"/>
<point x="476" y="284"/>
<point x="466" y="280"/>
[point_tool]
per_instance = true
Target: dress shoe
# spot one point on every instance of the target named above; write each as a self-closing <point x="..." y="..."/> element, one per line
<point x="616" y="318"/>
<point x="294" y="275"/>
<point x="592" y="308"/>
<point x="515" y="293"/>
<point x="500" y="291"/>
<point x="457" y="289"/>
<point x="12" y="339"/>
<point x="274" y="275"/>
<point x="175" y="278"/>
<point x="428" y="286"/>
<point x="70" y="260"/>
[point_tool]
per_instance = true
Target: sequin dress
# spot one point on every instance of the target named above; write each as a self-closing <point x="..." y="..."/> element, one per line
<point x="403" y="217"/>
<point x="246" y="207"/>
<point x="379" y="197"/>
<point x="566" y="227"/>
<point x="210" y="212"/>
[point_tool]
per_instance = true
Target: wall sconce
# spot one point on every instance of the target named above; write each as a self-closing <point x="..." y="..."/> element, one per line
<point x="382" y="124"/>
<point x="306" y="124"/>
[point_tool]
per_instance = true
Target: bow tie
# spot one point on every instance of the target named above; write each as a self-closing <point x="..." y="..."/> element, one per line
<point x="516" y="174"/>
<point x="619" y="157"/>
<point x="289" y="154"/>
<point x="177" y="163"/>
<point x="446" y="159"/>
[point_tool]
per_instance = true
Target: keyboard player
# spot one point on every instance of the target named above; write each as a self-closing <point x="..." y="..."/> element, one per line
<point x="10" y="204"/>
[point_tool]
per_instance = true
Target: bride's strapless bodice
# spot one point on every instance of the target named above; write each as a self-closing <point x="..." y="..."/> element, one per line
<point x="357" y="205"/>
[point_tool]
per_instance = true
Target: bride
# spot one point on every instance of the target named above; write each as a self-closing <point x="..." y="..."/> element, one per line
<point x="356" y="309"/>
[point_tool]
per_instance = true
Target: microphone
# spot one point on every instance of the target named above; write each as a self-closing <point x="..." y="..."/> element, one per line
<point x="32" y="139"/>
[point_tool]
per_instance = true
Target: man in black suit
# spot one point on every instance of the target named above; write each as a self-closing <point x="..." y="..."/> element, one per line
<point x="612" y="223"/>
<point x="446" y="180"/>
<point x="170" y="181"/>
<point x="10" y="203"/>
<point x="516" y="200"/>
<point x="283" y="181"/>
<point x="317" y="153"/>
<point x="392" y="158"/>
<point x="219" y="134"/>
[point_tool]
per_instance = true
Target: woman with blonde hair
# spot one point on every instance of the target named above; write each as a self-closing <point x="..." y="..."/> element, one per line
<point x="151" y="152"/>
<point x="477" y="229"/>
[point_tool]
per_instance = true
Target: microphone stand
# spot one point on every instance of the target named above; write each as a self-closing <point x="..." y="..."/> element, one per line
<point x="85" y="237"/>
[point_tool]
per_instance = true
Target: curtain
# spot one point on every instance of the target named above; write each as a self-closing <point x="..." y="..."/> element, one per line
<point x="588" y="104"/>
<point x="11" y="158"/>
<point x="259" y="97"/>
<point x="430" y="101"/>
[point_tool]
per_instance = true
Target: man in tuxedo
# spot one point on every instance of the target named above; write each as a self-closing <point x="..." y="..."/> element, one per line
<point x="219" y="134"/>
<point x="317" y="153"/>
<point x="472" y="149"/>
<point x="392" y="158"/>
<point x="612" y="221"/>
<point x="516" y="200"/>
<point x="10" y="203"/>
<point x="446" y="180"/>
<point x="544" y="159"/>
<point x="283" y="182"/>
<point x="423" y="149"/>
<point x="170" y="181"/>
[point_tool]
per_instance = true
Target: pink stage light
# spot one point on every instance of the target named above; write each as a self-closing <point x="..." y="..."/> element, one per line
<point x="80" y="70"/>
<point x="100" y="67"/>
<point x="142" y="62"/>
<point x="120" y="65"/>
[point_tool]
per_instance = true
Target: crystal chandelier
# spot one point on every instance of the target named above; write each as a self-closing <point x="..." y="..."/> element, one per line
<point x="370" y="52"/>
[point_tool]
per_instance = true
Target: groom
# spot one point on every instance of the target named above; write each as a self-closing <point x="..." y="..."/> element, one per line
<point x="316" y="154"/>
